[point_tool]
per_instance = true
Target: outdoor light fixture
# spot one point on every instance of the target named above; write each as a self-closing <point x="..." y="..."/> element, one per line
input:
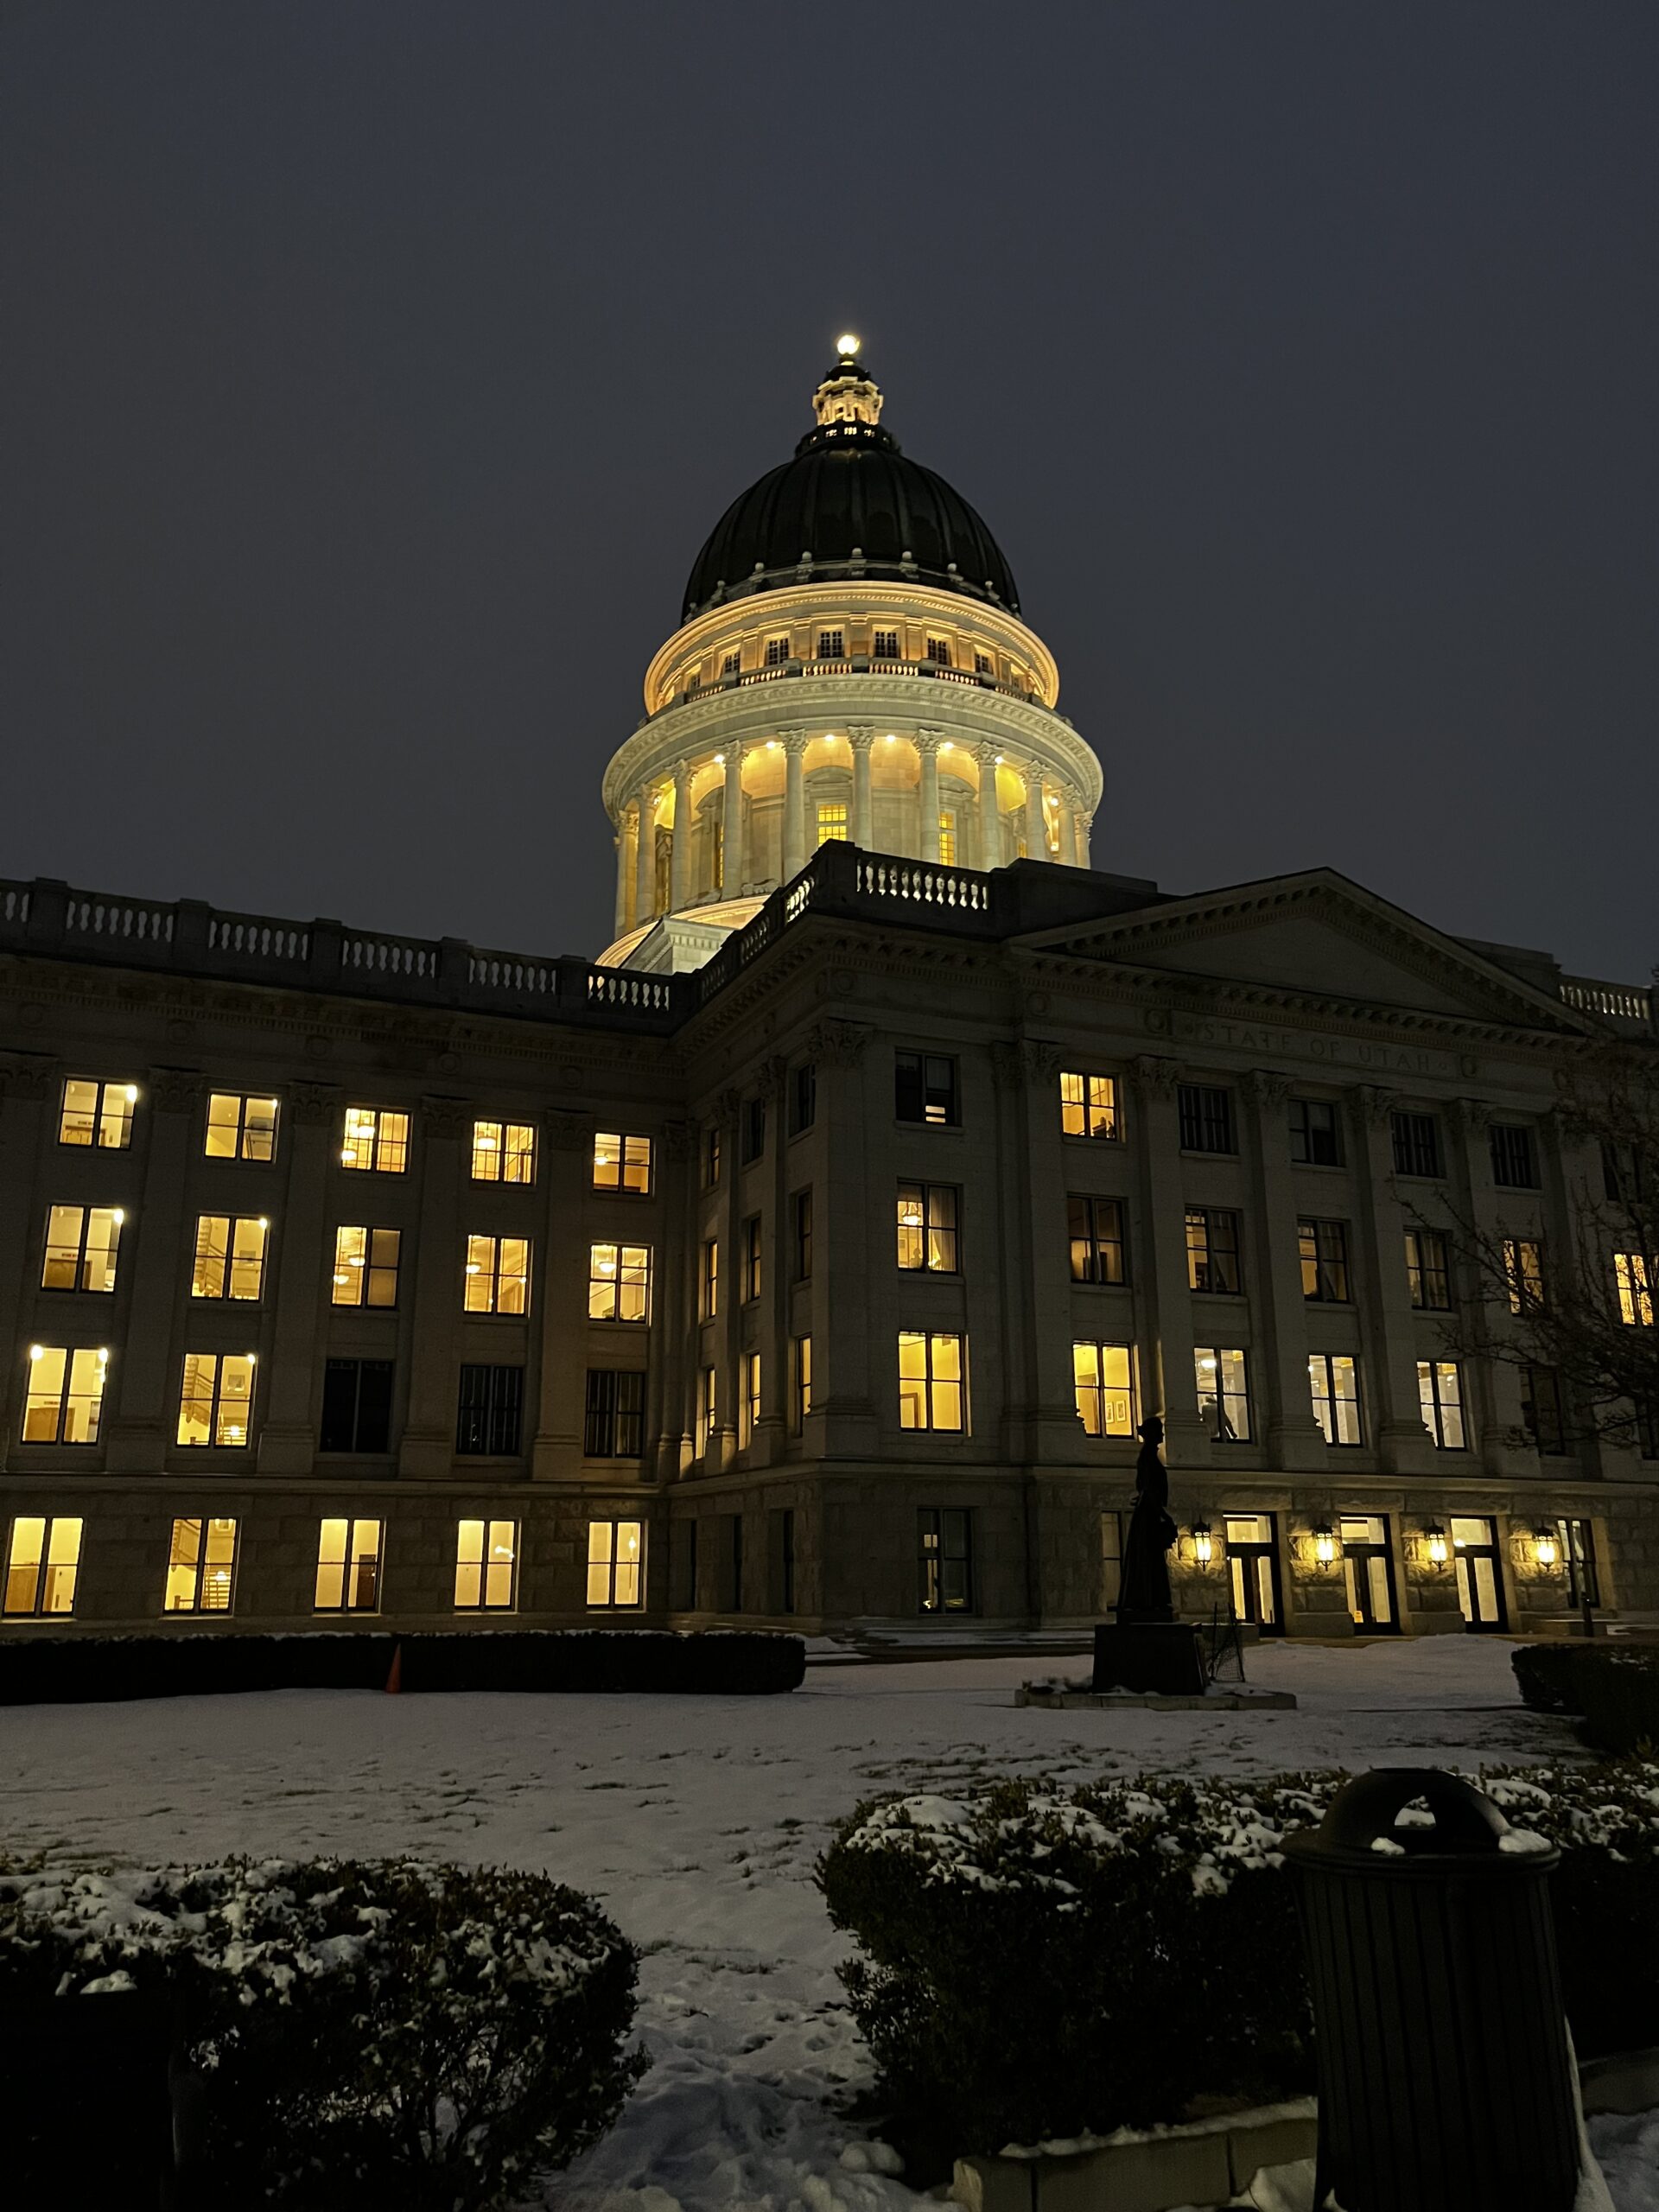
<point x="1325" y="1543"/>
<point x="1544" y="1548"/>
<point x="1434" y="1536"/>
<point x="1203" y="1544"/>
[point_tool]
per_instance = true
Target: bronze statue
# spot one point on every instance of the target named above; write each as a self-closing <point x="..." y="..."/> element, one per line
<point x="1144" y="1591"/>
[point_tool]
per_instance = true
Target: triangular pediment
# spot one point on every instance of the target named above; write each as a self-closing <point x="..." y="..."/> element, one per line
<point x="1318" y="936"/>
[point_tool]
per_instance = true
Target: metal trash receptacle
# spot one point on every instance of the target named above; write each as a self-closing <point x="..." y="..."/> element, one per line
<point x="1444" y="2073"/>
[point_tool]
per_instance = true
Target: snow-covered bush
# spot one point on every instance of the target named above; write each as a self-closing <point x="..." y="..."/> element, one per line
<point x="1040" y="1962"/>
<point x="378" y="2033"/>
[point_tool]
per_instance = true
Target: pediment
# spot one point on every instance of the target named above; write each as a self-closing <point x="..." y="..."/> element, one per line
<point x="1316" y="936"/>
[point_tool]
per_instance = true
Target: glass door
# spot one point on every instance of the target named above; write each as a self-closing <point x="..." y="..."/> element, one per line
<point x="1253" y="1567"/>
<point x="1480" y="1581"/>
<point x="1368" y="1569"/>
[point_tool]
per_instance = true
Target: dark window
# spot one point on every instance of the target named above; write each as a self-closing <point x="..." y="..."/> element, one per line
<point x="1213" y="1250"/>
<point x="1578" y="1546"/>
<point x="946" y="1559"/>
<point x="982" y="664"/>
<point x="1625" y="1174"/>
<point x="831" y="645"/>
<point x="356" y="1405"/>
<point x="491" y="1421"/>
<point x="1416" y="1144"/>
<point x="1224" y="1392"/>
<point x="885" y="645"/>
<point x="1206" y="1114"/>
<point x="1426" y="1270"/>
<point x="776" y="651"/>
<point x="1541" y="1408"/>
<point x="1315" y="1132"/>
<point x="925" y="1088"/>
<point x="751" y="1258"/>
<point x="802" y="1261"/>
<point x="802" y="1098"/>
<point x="1095" y="1227"/>
<point x="927" y="1216"/>
<point x="938" y="650"/>
<point x="711" y="1155"/>
<point x="754" y="1128"/>
<point x="682" y="1565"/>
<point x="732" y="663"/>
<point x="1325" y="1260"/>
<point x="1514" y="1161"/>
<point x="616" y="1414"/>
<point x="1647" y="1428"/>
<point x="731" y="1565"/>
<point x="780" y="1543"/>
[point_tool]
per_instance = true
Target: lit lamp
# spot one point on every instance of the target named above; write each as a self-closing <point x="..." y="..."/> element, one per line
<point x="1325" y="1543"/>
<point x="1203" y="1544"/>
<point x="1434" y="1536"/>
<point x="1545" y="1549"/>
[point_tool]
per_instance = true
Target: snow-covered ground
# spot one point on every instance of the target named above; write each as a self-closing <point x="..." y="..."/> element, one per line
<point x="698" y="1820"/>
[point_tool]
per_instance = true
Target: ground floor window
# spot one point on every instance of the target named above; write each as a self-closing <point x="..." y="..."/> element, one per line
<point x="1104" y="1378"/>
<point x="1368" y="1569"/>
<point x="945" y="1539"/>
<point x="1253" y="1568"/>
<point x="1577" y="1539"/>
<point x="1480" y="1579"/>
<point x="731" y="1565"/>
<point x="1223" y="1393"/>
<point x="486" y="1566"/>
<point x="348" y="1567"/>
<point x="200" y="1566"/>
<point x="682" y="1565"/>
<point x="780" y="1531"/>
<point x="1333" y="1380"/>
<point x="615" y="1549"/>
<point x="42" y="1561"/>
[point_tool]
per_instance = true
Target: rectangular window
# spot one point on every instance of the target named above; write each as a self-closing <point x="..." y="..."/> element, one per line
<point x="486" y="1566"/>
<point x="615" y="1551"/>
<point x="803" y="1097"/>
<point x="490" y="1418"/>
<point x="622" y="1163"/>
<point x="1577" y="1542"/>
<point x="884" y="645"/>
<point x="780" y="1545"/>
<point x="748" y="1405"/>
<point x="711" y="1156"/>
<point x="504" y="1152"/>
<point x="708" y="1406"/>
<point x="97" y="1112"/>
<point x="1426" y="1270"/>
<point x="927" y="1216"/>
<point x="1515" y="1163"/>
<point x="1213" y="1260"/>
<point x="1325" y="1261"/>
<point x="832" y="825"/>
<point x="376" y="1141"/>
<point x="230" y="1259"/>
<point x="925" y="1088"/>
<point x="1635" y="1288"/>
<point x="731" y="664"/>
<point x="776" y="651"/>
<point x="931" y="1381"/>
<point x="615" y="1427"/>
<point x="1439" y="1394"/>
<point x="348" y="1567"/>
<point x="497" y="1277"/>
<point x="831" y="644"/>
<point x="753" y="1129"/>
<point x="801" y="1383"/>
<point x="1223" y="1393"/>
<point x="240" y="1127"/>
<point x="200" y="1566"/>
<point x="81" y="1243"/>
<point x="1315" y="1132"/>
<point x="1096" y="1229"/>
<point x="216" y="1401"/>
<point x="731" y="1589"/>
<point x="1333" y="1380"/>
<point x="356" y="1405"/>
<point x="982" y="664"/>
<point x="751" y="1258"/>
<point x="65" y="1398"/>
<point x="801" y="1236"/>
<point x="1416" y="1144"/>
<point x="1089" y="1106"/>
<point x="1540" y="1409"/>
<point x="938" y="650"/>
<point x="1206" y="1118"/>
<point x="708" y="1281"/>
<point x="1622" y="1174"/>
<point x="618" y="1282"/>
<point x="1103" y="1376"/>
<point x="948" y="838"/>
<point x="1253" y="1569"/>
<point x="42" y="1561"/>
<point x="1523" y="1270"/>
<point x="366" y="1267"/>
<point x="946" y="1559"/>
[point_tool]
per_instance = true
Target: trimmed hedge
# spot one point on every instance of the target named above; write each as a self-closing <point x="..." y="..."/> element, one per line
<point x="385" y="2034"/>
<point x="1613" y="1689"/>
<point x="72" y="1670"/>
<point x="1041" y="1963"/>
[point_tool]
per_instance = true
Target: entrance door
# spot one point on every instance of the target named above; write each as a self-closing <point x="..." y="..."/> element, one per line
<point x="1368" y="1569"/>
<point x="1480" y="1582"/>
<point x="1253" y="1565"/>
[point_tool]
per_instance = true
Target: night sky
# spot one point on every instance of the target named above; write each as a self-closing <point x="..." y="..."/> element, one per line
<point x="372" y="372"/>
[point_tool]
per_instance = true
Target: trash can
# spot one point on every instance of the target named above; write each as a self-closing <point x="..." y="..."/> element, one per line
<point x="87" y="2106"/>
<point x="1445" y="2074"/>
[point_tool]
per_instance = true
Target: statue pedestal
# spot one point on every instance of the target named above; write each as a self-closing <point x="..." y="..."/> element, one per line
<point x="1158" y="1655"/>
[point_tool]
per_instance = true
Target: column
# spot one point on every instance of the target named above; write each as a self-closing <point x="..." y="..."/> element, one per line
<point x="927" y="748"/>
<point x="428" y="1440"/>
<point x="990" y="819"/>
<point x="735" y="865"/>
<point x="1390" y="1407"/>
<point x="1085" y="824"/>
<point x="1293" y="1438"/>
<point x="862" y="739"/>
<point x="1068" y="828"/>
<point x="771" y="1316"/>
<point x="668" y="1391"/>
<point x="1163" y="1301"/>
<point x="795" y="854"/>
<point x="729" y="1319"/>
<point x="559" y="1314"/>
<point x="301" y="1242"/>
<point x="645" y="862"/>
<point x="142" y="1379"/>
<point x="679" y="866"/>
<point x="620" y="918"/>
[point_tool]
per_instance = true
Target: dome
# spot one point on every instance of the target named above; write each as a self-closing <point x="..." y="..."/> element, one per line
<point x="849" y="504"/>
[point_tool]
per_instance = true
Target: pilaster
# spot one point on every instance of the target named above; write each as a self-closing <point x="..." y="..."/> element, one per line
<point x="794" y="804"/>
<point x="24" y="1092"/>
<point x="428" y="1439"/>
<point x="862" y="738"/>
<point x="1164" y="1299"/>
<point x="990" y="819"/>
<point x="680" y="852"/>
<point x="555" y="1451"/>
<point x="1393" y="1411"/>
<point x="1294" y="1438"/>
<point x="1039" y="1410"/>
<point x="311" y="1123"/>
<point x="145" y="1384"/>
<point x="843" y="1423"/>
<point x="927" y="753"/>
<point x="734" y="860"/>
<point x="1491" y="1388"/>
<point x="645" y="861"/>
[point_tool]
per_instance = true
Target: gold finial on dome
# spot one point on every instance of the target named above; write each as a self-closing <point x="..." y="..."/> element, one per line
<point x="848" y="394"/>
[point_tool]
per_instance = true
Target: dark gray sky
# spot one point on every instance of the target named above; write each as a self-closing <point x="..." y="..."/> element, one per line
<point x="374" y="369"/>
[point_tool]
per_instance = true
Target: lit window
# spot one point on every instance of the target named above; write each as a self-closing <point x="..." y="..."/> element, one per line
<point x="884" y="645"/>
<point x="200" y="1567"/>
<point x="1635" y="1288"/>
<point x="1096" y="1229"/>
<point x="42" y="1560"/>
<point x="230" y="1259"/>
<point x="938" y="652"/>
<point x="1206" y="1117"/>
<point x="931" y="1382"/>
<point x="1324" y="1246"/>
<point x="1426" y="1270"/>
<point x="832" y="825"/>
<point x="614" y="1555"/>
<point x="622" y="1163"/>
<point x="1315" y="1132"/>
<point x="1514" y="1160"/>
<point x="618" y="1282"/>
<point x="948" y="838"/>
<point x="801" y="1395"/>
<point x="748" y="1405"/>
<point x="708" y="1281"/>
<point x="81" y="1242"/>
<point x="348" y="1567"/>
<point x="504" y="1152"/>
<point x="1523" y="1271"/>
<point x="616" y="1426"/>
<point x="356" y="1407"/>
<point x="489" y="1422"/>
<point x="831" y="644"/>
<point x="240" y="1127"/>
<point x="1439" y="1394"/>
<point x="1334" y="1382"/>
<point x="1213" y="1251"/>
<point x="487" y="1560"/>
<point x="776" y="651"/>
<point x="497" y="1280"/>
<point x="375" y="1141"/>
<point x="1367" y="1568"/>
<point x="927" y="1228"/>
<point x="1223" y="1393"/>
<point x="216" y="1403"/>
<point x="97" y="1112"/>
<point x="65" y="1398"/>
<point x="1416" y="1144"/>
<point x="925" y="1088"/>
<point x="365" y="1266"/>
<point x="945" y="1558"/>
<point x="1104" y="1376"/>
<point x="708" y="1403"/>
<point x="1089" y="1105"/>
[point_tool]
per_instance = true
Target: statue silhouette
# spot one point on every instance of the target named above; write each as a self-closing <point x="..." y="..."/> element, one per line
<point x="1143" y="1594"/>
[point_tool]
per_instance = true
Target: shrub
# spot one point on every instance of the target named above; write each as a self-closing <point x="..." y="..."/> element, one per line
<point x="386" y="2034"/>
<point x="1040" y="1963"/>
<point x="1544" y="1672"/>
<point x="1614" y="1688"/>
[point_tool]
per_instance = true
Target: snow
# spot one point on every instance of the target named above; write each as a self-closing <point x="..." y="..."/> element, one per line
<point x="696" y="1821"/>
